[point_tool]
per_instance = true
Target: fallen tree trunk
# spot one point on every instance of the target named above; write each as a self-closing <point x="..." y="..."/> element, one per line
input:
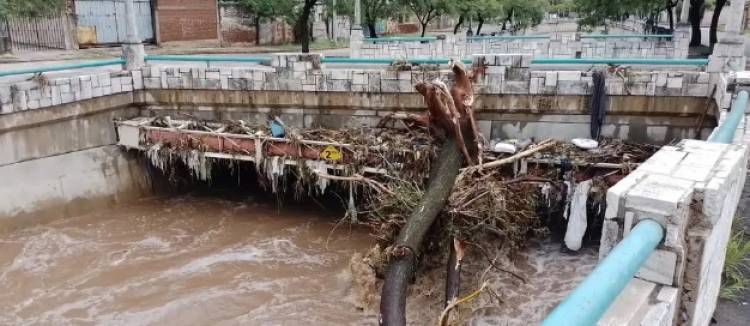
<point x="407" y="246"/>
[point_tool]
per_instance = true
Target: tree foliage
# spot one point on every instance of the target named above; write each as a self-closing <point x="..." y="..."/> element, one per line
<point x="521" y="14"/>
<point x="374" y="10"/>
<point x="427" y="10"/>
<point x="29" y="8"/>
<point x="600" y="12"/>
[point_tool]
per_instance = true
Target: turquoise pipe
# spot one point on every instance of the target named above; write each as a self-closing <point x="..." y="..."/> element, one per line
<point x="387" y="61"/>
<point x="89" y="64"/>
<point x="627" y="36"/>
<point x="590" y="300"/>
<point x="206" y="58"/>
<point x="725" y="133"/>
<point x="508" y="37"/>
<point x="400" y="39"/>
<point x="621" y="61"/>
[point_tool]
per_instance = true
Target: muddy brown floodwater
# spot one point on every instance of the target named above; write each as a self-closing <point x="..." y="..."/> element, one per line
<point x="187" y="260"/>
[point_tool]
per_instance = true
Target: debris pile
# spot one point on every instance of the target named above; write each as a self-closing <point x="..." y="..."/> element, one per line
<point x="387" y="168"/>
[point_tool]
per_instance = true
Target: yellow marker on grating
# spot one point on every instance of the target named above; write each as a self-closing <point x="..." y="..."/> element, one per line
<point x="331" y="153"/>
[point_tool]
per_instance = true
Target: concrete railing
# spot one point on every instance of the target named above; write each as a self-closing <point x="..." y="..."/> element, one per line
<point x="613" y="46"/>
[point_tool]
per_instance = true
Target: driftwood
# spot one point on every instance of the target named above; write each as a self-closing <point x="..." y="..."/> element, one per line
<point x="407" y="247"/>
<point x="453" y="273"/>
<point x="541" y="146"/>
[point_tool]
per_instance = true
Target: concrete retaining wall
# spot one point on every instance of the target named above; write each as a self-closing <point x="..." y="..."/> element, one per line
<point x="61" y="161"/>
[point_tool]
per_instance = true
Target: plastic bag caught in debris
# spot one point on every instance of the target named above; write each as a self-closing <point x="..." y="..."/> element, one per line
<point x="577" y="219"/>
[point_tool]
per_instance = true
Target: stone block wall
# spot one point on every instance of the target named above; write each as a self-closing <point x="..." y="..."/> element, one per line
<point x="40" y="93"/>
<point x="505" y="74"/>
<point x="553" y="47"/>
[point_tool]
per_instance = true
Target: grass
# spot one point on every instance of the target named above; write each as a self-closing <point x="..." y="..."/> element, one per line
<point x="736" y="278"/>
<point x="319" y="44"/>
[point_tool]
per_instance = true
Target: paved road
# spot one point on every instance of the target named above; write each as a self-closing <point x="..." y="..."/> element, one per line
<point x="732" y="313"/>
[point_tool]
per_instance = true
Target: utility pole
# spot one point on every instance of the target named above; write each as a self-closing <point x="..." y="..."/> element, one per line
<point x="334" y="26"/>
<point x="132" y="48"/>
<point x="357" y="14"/>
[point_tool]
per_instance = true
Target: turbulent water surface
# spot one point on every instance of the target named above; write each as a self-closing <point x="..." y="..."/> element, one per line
<point x="182" y="261"/>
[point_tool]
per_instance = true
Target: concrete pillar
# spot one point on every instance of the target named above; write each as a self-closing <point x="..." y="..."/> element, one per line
<point x="355" y="42"/>
<point x="132" y="50"/>
<point x="357" y="15"/>
<point x="681" y="40"/>
<point x="734" y="13"/>
<point x="334" y="26"/>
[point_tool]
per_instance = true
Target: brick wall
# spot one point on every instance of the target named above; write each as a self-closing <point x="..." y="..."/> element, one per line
<point x="238" y="26"/>
<point x="187" y="20"/>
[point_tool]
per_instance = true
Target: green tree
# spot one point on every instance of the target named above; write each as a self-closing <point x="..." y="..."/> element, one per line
<point x="374" y="10"/>
<point x="266" y="9"/>
<point x="600" y="12"/>
<point x="521" y="14"/>
<point x="29" y="8"/>
<point x="562" y="8"/>
<point x="427" y="10"/>
<point x="303" y="24"/>
<point x="719" y="5"/>
<point x="695" y="15"/>
<point x="343" y="8"/>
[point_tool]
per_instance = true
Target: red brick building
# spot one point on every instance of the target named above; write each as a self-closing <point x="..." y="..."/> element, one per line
<point x="186" y="20"/>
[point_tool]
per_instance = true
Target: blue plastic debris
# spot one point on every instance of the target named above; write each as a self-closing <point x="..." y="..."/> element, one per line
<point x="277" y="130"/>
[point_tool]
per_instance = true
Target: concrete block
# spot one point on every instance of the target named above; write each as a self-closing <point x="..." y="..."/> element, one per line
<point x="700" y="90"/>
<point x="45" y="102"/>
<point x="616" y="194"/>
<point x="630" y="306"/>
<point x="105" y="79"/>
<point x="25" y="86"/>
<point x="359" y="79"/>
<point x="137" y="79"/>
<point x="86" y="89"/>
<point x="659" y="268"/>
<point x="5" y="94"/>
<point x="659" y="194"/>
<point x="610" y="237"/>
<point x="298" y="66"/>
<point x="340" y="74"/>
<point x="152" y="83"/>
<point x="662" y="162"/>
<point x="6" y="108"/>
<point x="674" y="82"/>
<point x="569" y="76"/>
<point x="117" y="84"/>
<point x="550" y="79"/>
<point x="34" y="94"/>
<point x="66" y="97"/>
<point x="657" y="315"/>
<point x="213" y="75"/>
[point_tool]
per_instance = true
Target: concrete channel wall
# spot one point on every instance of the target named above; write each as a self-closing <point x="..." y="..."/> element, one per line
<point x="61" y="161"/>
<point x="57" y="138"/>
